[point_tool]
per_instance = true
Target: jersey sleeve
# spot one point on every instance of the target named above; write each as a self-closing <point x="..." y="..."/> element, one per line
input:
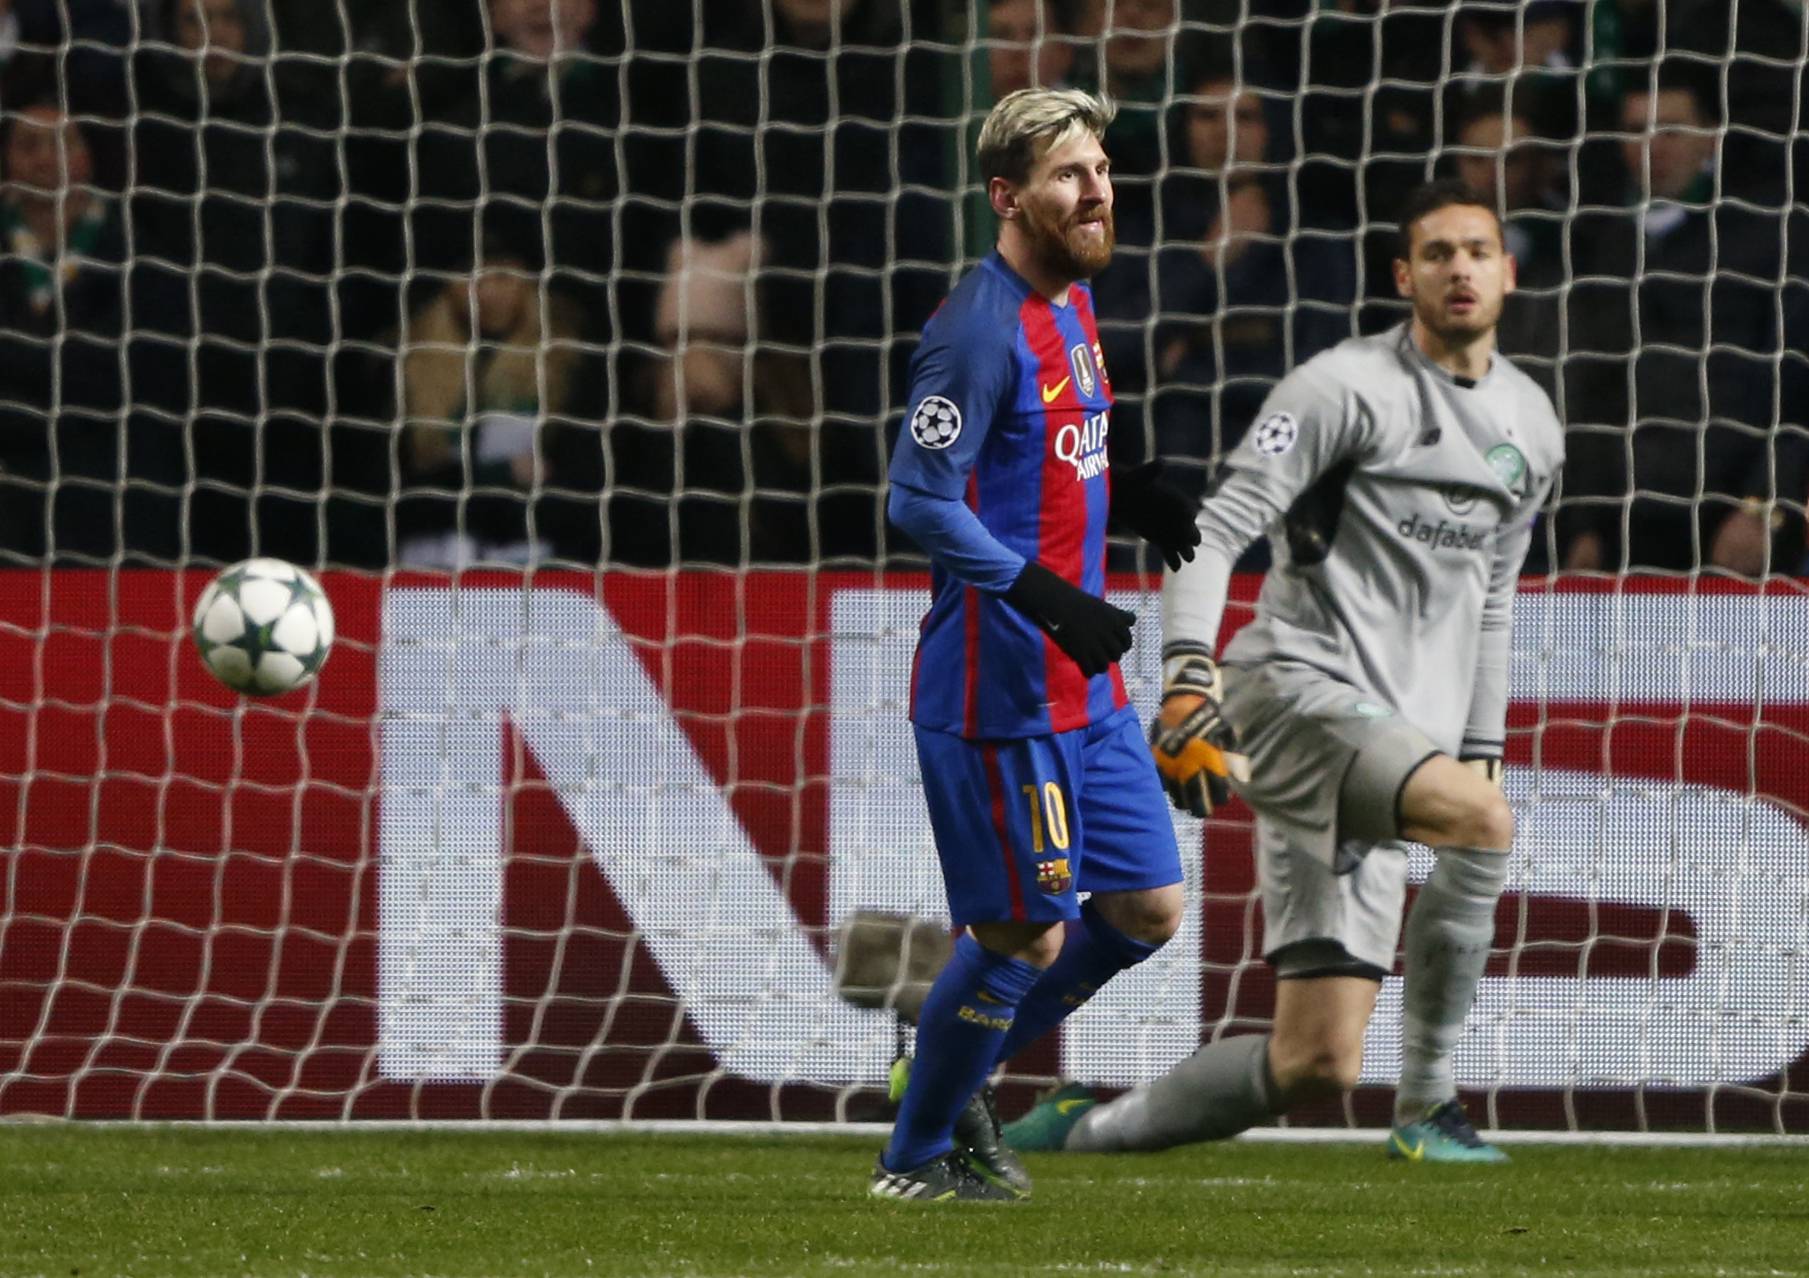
<point x="1485" y="730"/>
<point x="954" y="537"/>
<point x="961" y="378"/>
<point x="1308" y="425"/>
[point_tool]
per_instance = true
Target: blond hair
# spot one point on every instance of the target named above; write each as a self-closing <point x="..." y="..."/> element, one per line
<point x="1025" y="124"/>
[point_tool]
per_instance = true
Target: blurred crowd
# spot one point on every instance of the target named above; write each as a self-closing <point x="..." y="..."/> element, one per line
<point x="635" y="283"/>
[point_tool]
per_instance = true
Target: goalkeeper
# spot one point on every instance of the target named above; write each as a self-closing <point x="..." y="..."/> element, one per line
<point x="1034" y="770"/>
<point x="1398" y="477"/>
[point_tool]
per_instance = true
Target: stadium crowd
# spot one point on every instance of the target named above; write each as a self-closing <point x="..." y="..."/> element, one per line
<point x="441" y="282"/>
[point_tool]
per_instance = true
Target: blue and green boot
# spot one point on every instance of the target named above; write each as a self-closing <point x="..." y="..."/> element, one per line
<point x="1045" y="1128"/>
<point x="1442" y="1134"/>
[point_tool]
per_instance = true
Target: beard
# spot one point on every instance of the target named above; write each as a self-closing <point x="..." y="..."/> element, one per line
<point x="1064" y="248"/>
<point x="1457" y="329"/>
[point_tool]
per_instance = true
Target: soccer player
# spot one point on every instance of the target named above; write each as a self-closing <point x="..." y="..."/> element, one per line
<point x="1037" y="779"/>
<point x="1398" y="477"/>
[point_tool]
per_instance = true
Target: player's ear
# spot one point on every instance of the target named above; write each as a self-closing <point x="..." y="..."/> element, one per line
<point x="1403" y="277"/>
<point x="1004" y="198"/>
<point x="1510" y="273"/>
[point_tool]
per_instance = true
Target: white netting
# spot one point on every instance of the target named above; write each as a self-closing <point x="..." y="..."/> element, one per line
<point x="624" y="294"/>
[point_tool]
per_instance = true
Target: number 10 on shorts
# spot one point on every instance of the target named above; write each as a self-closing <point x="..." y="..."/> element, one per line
<point x="1048" y="815"/>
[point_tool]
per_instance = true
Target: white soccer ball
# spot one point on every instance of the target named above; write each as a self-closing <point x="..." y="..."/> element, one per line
<point x="263" y="627"/>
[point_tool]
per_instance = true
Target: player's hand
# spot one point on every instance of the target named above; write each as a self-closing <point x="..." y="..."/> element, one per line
<point x="1084" y="626"/>
<point x="1192" y="742"/>
<point x="1488" y="769"/>
<point x="1159" y="513"/>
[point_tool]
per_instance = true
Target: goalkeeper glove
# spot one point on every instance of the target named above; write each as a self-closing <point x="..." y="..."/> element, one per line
<point x="1157" y="512"/>
<point x="1084" y="626"/>
<point x="1488" y="769"/>
<point x="1192" y="742"/>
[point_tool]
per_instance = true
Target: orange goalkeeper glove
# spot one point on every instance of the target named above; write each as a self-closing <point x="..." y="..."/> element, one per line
<point x="1193" y="745"/>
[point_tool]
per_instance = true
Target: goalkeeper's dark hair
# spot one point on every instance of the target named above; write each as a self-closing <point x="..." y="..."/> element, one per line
<point x="1445" y="193"/>
<point x="1028" y="122"/>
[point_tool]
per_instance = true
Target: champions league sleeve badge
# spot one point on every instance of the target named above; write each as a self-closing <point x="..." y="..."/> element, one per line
<point x="1275" y="434"/>
<point x="936" y="423"/>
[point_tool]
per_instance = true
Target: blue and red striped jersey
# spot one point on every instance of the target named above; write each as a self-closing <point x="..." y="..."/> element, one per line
<point x="1008" y="412"/>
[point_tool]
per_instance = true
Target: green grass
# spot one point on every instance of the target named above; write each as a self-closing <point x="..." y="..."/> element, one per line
<point x="81" y="1201"/>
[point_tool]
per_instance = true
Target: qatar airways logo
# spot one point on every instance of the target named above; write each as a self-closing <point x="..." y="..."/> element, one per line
<point x="1084" y="446"/>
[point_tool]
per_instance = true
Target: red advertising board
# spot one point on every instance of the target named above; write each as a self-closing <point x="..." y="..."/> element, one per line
<point x="192" y="923"/>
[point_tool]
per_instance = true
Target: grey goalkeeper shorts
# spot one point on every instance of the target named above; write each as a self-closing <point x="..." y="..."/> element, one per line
<point x="1328" y="763"/>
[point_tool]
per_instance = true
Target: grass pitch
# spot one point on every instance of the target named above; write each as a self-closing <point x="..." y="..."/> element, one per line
<point x="78" y="1201"/>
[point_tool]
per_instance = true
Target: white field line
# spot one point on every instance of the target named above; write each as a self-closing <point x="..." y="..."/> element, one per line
<point x="869" y="1131"/>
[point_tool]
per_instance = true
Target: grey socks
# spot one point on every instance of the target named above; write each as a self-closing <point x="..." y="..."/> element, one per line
<point x="1448" y="935"/>
<point x="1226" y="1086"/>
<point x="1219" y="1091"/>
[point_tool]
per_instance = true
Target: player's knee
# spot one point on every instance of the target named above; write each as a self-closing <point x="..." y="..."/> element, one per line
<point x="1042" y="951"/>
<point x="1153" y="922"/>
<point x="1162" y="927"/>
<point x="1318" y="1070"/>
<point x="1034" y="943"/>
<point x="1152" y="917"/>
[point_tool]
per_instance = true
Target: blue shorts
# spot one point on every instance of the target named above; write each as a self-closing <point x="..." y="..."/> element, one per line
<point x="1024" y="825"/>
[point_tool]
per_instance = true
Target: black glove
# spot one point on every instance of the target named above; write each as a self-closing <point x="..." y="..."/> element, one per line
<point x="1157" y="512"/>
<point x="1084" y="626"/>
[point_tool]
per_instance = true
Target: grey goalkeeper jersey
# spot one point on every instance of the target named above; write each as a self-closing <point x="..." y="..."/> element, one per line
<point x="1399" y="503"/>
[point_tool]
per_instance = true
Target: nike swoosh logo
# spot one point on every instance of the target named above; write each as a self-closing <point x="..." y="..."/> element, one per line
<point x="1064" y="1108"/>
<point x="1415" y="1152"/>
<point x="1051" y="393"/>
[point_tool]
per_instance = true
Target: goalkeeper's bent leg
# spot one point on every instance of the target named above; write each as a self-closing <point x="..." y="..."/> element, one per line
<point x="1448" y="935"/>
<point x="1462" y="814"/>
<point x="965" y="1017"/>
<point x="1219" y="1091"/>
<point x="1234" y="1084"/>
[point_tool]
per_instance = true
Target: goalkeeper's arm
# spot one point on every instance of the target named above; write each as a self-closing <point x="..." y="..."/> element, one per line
<point x="1302" y="432"/>
<point x="1485" y="727"/>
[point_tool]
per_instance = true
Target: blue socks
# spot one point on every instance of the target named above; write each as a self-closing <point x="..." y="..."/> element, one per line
<point x="983" y="1009"/>
<point x="1092" y="954"/>
<point x="965" y="1018"/>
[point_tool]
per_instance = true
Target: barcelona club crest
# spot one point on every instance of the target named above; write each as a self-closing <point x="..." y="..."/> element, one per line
<point x="1080" y="359"/>
<point x="1052" y="875"/>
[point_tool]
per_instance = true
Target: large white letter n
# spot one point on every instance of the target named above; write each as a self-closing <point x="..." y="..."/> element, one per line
<point x="455" y="663"/>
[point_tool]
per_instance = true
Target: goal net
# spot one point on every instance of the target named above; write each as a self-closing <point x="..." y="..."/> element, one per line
<point x="568" y="341"/>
